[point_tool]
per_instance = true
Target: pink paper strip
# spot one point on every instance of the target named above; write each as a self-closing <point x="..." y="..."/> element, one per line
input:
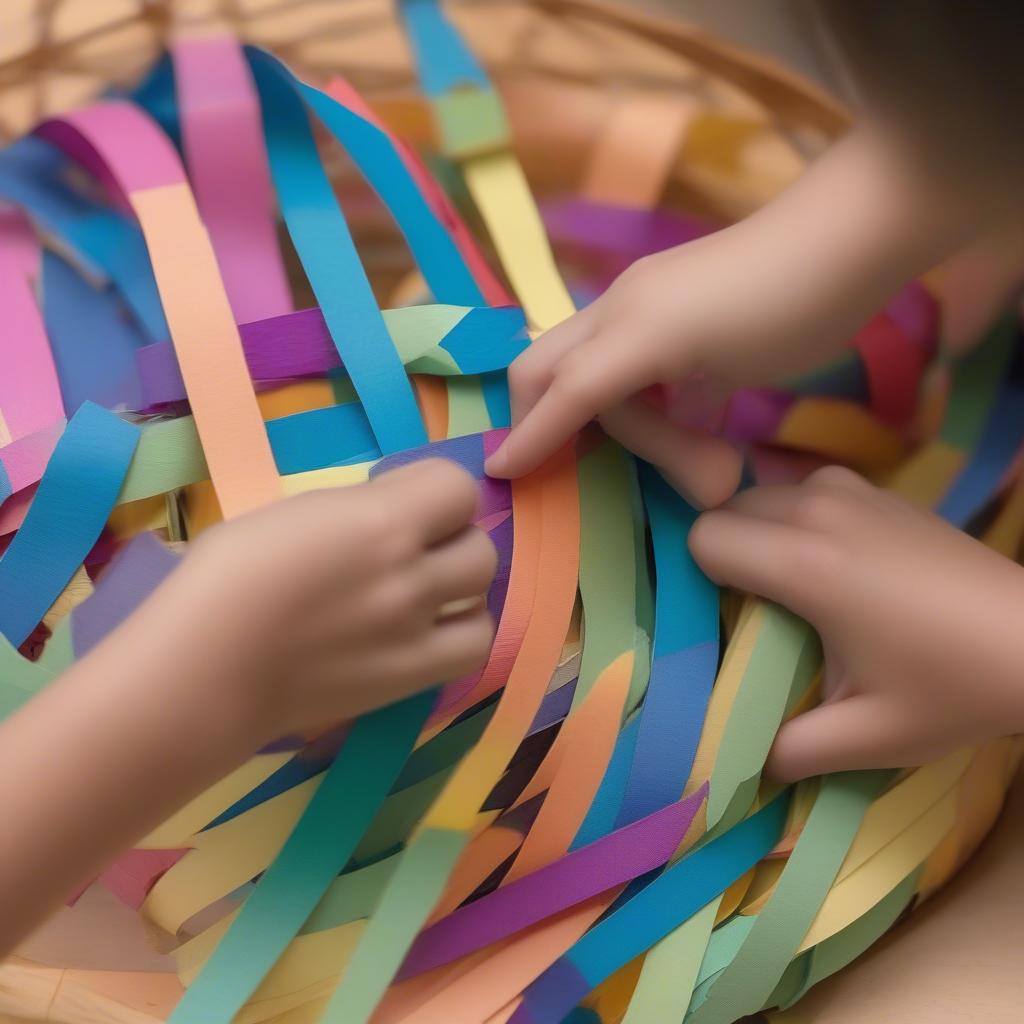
<point x="222" y="136"/>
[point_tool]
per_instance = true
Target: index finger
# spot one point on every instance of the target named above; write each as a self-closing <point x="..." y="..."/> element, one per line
<point x="591" y="379"/>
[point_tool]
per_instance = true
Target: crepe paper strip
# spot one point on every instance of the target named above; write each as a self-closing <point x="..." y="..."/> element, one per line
<point x="494" y="292"/>
<point x="893" y="812"/>
<point x="370" y="148"/>
<point x="783" y="654"/>
<point x="222" y="138"/>
<point x="24" y="460"/>
<point x="749" y="977"/>
<point x="75" y="497"/>
<point x="502" y="195"/>
<point x="432" y="397"/>
<point x="588" y="871"/>
<point x="460" y="696"/>
<point x="995" y="452"/>
<point x="841" y="431"/>
<point x="463" y="100"/>
<point x="610" y="552"/>
<point x="678" y="956"/>
<point x="894" y="365"/>
<point x="102" y="241"/>
<point x="202" y="328"/>
<point x="850" y="898"/>
<point x="29" y="390"/>
<point x="755" y="415"/>
<point x="927" y="475"/>
<point x="134" y="873"/>
<point x="845" y="946"/>
<point x="660" y="908"/>
<point x="481" y="987"/>
<point x="546" y="504"/>
<point x="94" y="342"/>
<point x="169" y="454"/>
<point x="976" y="381"/>
<point x="495" y="388"/>
<point x="133" y="575"/>
<point x="685" y="658"/>
<point x="637" y="148"/>
<point x="19" y="245"/>
<point x="429" y="339"/>
<point x="314" y="854"/>
<point x="587" y="740"/>
<point x="444" y="61"/>
<point x="328" y="255"/>
<point x="572" y="771"/>
<point x="627" y="233"/>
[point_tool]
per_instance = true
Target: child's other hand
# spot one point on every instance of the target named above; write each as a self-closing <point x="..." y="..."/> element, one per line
<point x="921" y="625"/>
<point x="334" y="602"/>
<point x="773" y="296"/>
<point x="642" y="332"/>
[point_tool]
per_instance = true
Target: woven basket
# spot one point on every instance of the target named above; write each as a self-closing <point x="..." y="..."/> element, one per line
<point x="583" y="83"/>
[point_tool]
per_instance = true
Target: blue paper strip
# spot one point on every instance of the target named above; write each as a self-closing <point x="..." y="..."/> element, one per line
<point x="336" y="274"/>
<point x="652" y="914"/>
<point x="75" y="497"/>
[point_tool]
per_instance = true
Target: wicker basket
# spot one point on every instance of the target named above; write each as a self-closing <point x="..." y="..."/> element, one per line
<point x="581" y="81"/>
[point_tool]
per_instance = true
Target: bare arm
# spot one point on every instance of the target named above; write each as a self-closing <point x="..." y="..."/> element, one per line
<point x="281" y="623"/>
<point x="771" y="296"/>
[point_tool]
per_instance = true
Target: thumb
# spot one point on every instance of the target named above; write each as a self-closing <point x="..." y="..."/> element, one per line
<point x="857" y="733"/>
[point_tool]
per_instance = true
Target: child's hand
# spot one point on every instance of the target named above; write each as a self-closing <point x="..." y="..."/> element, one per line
<point x="334" y="602"/>
<point x="921" y="625"/>
<point x="643" y="331"/>
<point x="768" y="298"/>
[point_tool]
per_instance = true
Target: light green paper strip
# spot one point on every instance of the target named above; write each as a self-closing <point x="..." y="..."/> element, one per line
<point x="412" y="892"/>
<point x="607" y="564"/>
<point x="786" y="654"/>
<point x="467" y="409"/>
<point x="351" y="897"/>
<point x="20" y="679"/>
<point x="724" y="944"/>
<point x="471" y="120"/>
<point x="845" y="946"/>
<point x="749" y="980"/>
<point x="670" y="971"/>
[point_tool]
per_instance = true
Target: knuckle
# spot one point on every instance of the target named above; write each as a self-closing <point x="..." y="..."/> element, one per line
<point x="819" y="510"/>
<point x="832" y="476"/>
<point x="400" y="600"/>
<point x="483" y="554"/>
<point x="451" y="480"/>
<point x="479" y="637"/>
<point x="816" y="559"/>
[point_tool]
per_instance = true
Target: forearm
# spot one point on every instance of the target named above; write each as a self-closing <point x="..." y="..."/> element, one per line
<point x="111" y="749"/>
<point x="815" y="264"/>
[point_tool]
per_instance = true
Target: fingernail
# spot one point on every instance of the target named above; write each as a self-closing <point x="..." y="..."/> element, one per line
<point x="496" y="464"/>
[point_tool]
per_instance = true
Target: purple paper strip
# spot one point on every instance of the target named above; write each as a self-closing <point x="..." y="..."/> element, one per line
<point x="624" y="230"/>
<point x="612" y="860"/>
<point x="132" y="576"/>
<point x="756" y="415"/>
<point x="554" y="707"/>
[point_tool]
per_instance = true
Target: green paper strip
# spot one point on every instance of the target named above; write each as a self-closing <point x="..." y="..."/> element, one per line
<point x="845" y="946"/>
<point x="670" y="971"/>
<point x="411" y="894"/>
<point x="786" y="653"/>
<point x="749" y="980"/>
